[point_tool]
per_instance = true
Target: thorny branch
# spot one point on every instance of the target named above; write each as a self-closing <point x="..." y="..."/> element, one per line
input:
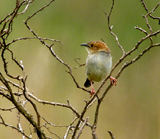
<point x="76" y="126"/>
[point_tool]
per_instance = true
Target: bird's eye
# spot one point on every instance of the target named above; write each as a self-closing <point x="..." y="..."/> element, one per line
<point x="91" y="45"/>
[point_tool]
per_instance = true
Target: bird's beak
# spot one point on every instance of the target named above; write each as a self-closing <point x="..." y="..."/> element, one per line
<point x="84" y="44"/>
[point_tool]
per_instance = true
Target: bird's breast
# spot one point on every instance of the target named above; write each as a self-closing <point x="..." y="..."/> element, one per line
<point x="98" y="65"/>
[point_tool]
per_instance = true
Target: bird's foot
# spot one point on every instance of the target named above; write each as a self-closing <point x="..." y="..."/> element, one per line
<point x="113" y="81"/>
<point x="92" y="92"/>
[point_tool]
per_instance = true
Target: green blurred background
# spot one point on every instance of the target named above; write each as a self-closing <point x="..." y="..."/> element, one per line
<point x="131" y="110"/>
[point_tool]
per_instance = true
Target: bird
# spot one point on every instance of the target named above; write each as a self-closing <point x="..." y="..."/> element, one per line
<point x="98" y="64"/>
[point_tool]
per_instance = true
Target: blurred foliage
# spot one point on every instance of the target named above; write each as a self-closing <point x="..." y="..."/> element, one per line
<point x="132" y="109"/>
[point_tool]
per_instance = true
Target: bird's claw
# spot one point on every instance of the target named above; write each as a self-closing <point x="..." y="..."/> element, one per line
<point x="113" y="81"/>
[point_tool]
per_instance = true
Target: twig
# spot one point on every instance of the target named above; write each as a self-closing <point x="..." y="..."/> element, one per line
<point x="70" y="128"/>
<point x="8" y="109"/>
<point x="152" y="11"/>
<point x="111" y="27"/>
<point x="79" y="65"/>
<point x="67" y="132"/>
<point x="21" y="109"/>
<point x="136" y="59"/>
<point x="96" y="116"/>
<point x="54" y="104"/>
<point x="27" y="5"/>
<point x="5" y="63"/>
<point x="81" y="128"/>
<point x="13" y="127"/>
<point x="111" y="135"/>
<point x="29" y="38"/>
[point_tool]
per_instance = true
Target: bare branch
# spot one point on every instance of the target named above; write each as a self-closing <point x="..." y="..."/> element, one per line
<point x="54" y="104"/>
<point x="13" y="127"/>
<point x="111" y="135"/>
<point x="82" y="127"/>
<point x="111" y="27"/>
<point x="29" y="38"/>
<point x="152" y="11"/>
<point x="8" y="109"/>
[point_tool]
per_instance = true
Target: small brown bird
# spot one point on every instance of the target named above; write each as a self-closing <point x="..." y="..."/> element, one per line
<point x="98" y="63"/>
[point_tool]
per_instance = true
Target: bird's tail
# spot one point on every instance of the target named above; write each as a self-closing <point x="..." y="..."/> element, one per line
<point x="87" y="83"/>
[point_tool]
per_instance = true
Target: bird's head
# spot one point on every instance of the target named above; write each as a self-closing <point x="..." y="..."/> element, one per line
<point x="96" y="46"/>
